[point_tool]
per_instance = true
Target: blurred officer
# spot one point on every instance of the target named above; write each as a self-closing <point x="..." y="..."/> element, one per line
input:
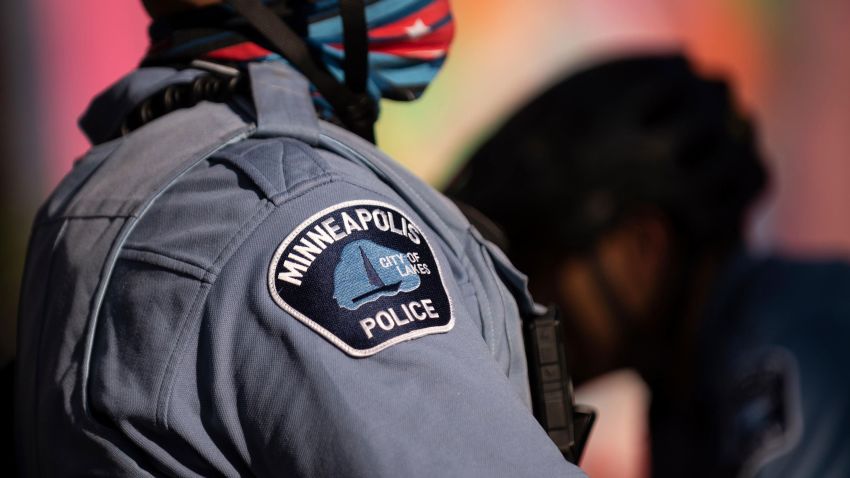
<point x="233" y="283"/>
<point x="622" y="191"/>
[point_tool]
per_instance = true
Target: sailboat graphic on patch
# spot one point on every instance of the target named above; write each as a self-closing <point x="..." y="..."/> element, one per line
<point x="367" y="271"/>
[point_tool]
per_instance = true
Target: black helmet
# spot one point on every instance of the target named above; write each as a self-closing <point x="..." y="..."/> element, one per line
<point x="608" y="141"/>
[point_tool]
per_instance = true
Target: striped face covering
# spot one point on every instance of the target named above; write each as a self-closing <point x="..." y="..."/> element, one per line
<point x="408" y="41"/>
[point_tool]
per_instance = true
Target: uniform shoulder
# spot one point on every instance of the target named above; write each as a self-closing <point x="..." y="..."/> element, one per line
<point x="799" y="303"/>
<point x="281" y="167"/>
<point x="817" y="285"/>
<point x="208" y="209"/>
<point x="797" y="311"/>
<point x="275" y="165"/>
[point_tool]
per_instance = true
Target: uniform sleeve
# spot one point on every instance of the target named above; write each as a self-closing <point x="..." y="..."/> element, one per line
<point x="815" y="441"/>
<point x="339" y="341"/>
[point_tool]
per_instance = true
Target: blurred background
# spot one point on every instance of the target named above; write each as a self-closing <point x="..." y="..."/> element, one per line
<point x="785" y="58"/>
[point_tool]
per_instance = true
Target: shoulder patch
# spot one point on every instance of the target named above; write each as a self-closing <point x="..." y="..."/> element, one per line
<point x="362" y="275"/>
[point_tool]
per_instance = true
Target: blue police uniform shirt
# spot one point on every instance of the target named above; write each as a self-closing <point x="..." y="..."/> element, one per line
<point x="283" y="300"/>
<point x="772" y="391"/>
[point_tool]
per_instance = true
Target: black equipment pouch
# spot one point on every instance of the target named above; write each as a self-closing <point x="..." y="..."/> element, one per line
<point x="567" y="424"/>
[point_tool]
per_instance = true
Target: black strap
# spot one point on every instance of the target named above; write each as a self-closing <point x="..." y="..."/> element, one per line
<point x="355" y="109"/>
<point x="355" y="35"/>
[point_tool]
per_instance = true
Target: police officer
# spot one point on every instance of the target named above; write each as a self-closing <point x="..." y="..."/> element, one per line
<point x="233" y="283"/>
<point x="636" y="175"/>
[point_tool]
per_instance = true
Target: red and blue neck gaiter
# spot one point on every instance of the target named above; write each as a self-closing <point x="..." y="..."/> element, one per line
<point x="408" y="41"/>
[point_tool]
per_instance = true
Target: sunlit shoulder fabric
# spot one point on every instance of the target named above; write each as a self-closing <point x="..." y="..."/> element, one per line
<point x="151" y="340"/>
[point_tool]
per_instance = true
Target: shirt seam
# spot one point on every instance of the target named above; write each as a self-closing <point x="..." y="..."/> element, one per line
<point x="166" y="388"/>
<point x="145" y="255"/>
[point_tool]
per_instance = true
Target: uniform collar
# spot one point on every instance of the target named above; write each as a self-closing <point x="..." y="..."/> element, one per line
<point x="282" y="104"/>
<point x="107" y="111"/>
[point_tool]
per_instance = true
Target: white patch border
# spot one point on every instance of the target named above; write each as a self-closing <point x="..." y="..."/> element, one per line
<point x="328" y="335"/>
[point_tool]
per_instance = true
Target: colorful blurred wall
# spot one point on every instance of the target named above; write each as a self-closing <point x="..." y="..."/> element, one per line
<point x="785" y="57"/>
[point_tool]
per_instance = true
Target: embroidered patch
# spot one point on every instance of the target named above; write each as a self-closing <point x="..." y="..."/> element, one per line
<point x="362" y="275"/>
<point x="764" y="407"/>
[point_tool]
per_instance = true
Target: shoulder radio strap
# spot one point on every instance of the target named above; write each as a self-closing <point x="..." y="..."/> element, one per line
<point x="355" y="108"/>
